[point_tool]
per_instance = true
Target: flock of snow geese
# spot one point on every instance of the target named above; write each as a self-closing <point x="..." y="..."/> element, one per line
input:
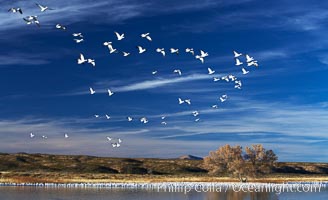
<point x="82" y="59"/>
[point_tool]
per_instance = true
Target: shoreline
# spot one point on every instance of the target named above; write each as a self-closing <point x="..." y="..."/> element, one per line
<point x="139" y="179"/>
<point x="172" y="186"/>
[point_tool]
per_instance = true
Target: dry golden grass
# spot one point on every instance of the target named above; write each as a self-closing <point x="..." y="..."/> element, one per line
<point x="55" y="177"/>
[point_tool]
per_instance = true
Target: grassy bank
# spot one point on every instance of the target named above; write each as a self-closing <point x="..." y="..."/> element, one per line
<point x="21" y="167"/>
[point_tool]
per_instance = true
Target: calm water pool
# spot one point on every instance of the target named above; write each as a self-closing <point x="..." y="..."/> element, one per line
<point x="36" y="193"/>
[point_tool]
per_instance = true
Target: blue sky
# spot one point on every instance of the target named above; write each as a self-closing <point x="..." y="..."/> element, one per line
<point x="282" y="104"/>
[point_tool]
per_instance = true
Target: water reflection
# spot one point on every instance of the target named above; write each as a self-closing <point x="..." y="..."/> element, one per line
<point x="35" y="193"/>
<point x="240" y="195"/>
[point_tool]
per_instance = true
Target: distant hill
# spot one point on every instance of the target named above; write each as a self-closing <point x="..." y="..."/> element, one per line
<point x="24" y="162"/>
<point x="190" y="157"/>
<point x="184" y="165"/>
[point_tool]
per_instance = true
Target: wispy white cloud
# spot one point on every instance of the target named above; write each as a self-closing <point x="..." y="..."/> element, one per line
<point x="101" y="87"/>
<point x="308" y="20"/>
<point x="22" y="59"/>
<point x="151" y="84"/>
<point x="271" y="55"/>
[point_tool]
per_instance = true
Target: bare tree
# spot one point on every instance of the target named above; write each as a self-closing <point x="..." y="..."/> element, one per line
<point x="259" y="159"/>
<point x="228" y="159"/>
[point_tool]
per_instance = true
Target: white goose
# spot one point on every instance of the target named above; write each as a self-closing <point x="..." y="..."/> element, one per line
<point x="92" y="91"/>
<point x="141" y="50"/>
<point x="238" y="62"/>
<point x="146" y="35"/>
<point x="110" y="93"/>
<point x="236" y="54"/>
<point x="81" y="60"/>
<point x="244" y="71"/>
<point x="178" y="71"/>
<point x="43" y="8"/>
<point x="119" y="36"/>
<point x="210" y="71"/>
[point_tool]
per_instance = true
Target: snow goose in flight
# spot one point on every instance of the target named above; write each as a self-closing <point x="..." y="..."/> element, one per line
<point x="161" y="50"/>
<point x="37" y="22"/>
<point x="215" y="106"/>
<point x="14" y="10"/>
<point x="238" y="84"/>
<point x="43" y="8"/>
<point x="77" y="35"/>
<point x="107" y="116"/>
<point x="244" y="71"/>
<point x="232" y="77"/>
<point x="238" y="62"/>
<point x="119" y="36"/>
<point x="117" y="140"/>
<point x="92" y="62"/>
<point x="236" y="54"/>
<point x="144" y="120"/>
<point x="66" y="135"/>
<point x="188" y="101"/>
<point x="110" y="93"/>
<point x="79" y="40"/>
<point x="81" y="60"/>
<point x="200" y="58"/>
<point x="146" y="35"/>
<point x="32" y="19"/>
<point x="215" y="79"/>
<point x="248" y="58"/>
<point x="92" y="91"/>
<point x="116" y="144"/>
<point x="129" y="119"/>
<point x="254" y="63"/>
<point x="225" y="78"/>
<point x="190" y="50"/>
<point x="173" y="50"/>
<point x="27" y="20"/>
<point x="32" y="135"/>
<point x="59" y="26"/>
<point x="110" y="47"/>
<point x="178" y="71"/>
<point x="223" y="98"/>
<point x="141" y="50"/>
<point x="202" y="55"/>
<point x="125" y="54"/>
<point x="195" y="113"/>
<point x="210" y="71"/>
